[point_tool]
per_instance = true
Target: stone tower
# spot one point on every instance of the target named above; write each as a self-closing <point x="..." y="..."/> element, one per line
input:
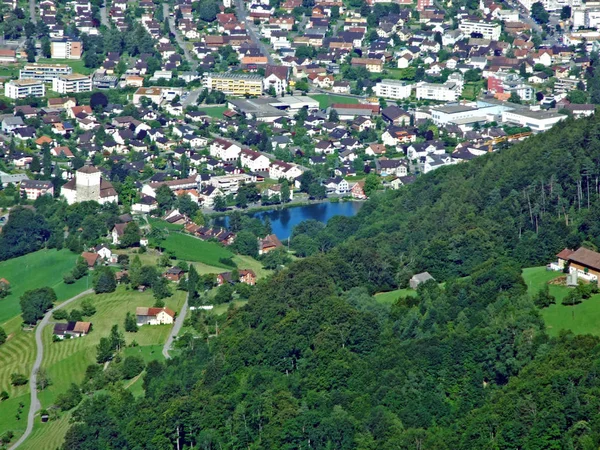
<point x="88" y="180"/>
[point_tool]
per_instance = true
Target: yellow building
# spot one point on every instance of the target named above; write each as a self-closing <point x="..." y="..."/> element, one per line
<point x="237" y="84"/>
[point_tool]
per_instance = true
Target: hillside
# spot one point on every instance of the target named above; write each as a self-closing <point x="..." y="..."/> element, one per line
<point x="314" y="361"/>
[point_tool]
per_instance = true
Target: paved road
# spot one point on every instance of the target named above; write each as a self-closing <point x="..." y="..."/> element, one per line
<point x="192" y="97"/>
<point x="35" y="404"/>
<point x="32" y="15"/>
<point x="104" y="15"/>
<point x="176" y="329"/>
<point x="252" y="32"/>
<point x="178" y="38"/>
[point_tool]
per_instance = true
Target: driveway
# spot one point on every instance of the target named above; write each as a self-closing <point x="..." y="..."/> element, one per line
<point x="178" y="38"/>
<point x="176" y="329"/>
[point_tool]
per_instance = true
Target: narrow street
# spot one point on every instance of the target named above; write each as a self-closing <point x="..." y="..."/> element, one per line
<point x="252" y="31"/>
<point x="178" y="38"/>
<point x="104" y="15"/>
<point x="32" y="14"/>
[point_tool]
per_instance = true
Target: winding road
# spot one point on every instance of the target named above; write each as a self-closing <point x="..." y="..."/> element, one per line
<point x="176" y="329"/>
<point x="35" y="403"/>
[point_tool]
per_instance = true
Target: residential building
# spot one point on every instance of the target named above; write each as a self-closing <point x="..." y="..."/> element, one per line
<point x="65" y="84"/>
<point x="71" y="329"/>
<point x="44" y="72"/>
<point x="66" y="48"/>
<point x="224" y="150"/>
<point x="392" y="89"/>
<point x="254" y="161"/>
<point x="154" y="316"/>
<point x="373" y="65"/>
<point x="36" y="188"/>
<point x="24" y="88"/>
<point x="447" y="92"/>
<point x="487" y="30"/>
<point x="269" y="243"/>
<point x="276" y="77"/>
<point x="234" y="83"/>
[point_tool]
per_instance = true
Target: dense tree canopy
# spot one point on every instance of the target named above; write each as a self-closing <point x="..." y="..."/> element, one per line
<point x="313" y="361"/>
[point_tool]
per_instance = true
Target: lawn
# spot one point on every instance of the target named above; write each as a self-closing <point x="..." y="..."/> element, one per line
<point x="77" y="65"/>
<point x="389" y="298"/>
<point x="9" y="71"/>
<point x="326" y="99"/>
<point x="189" y="248"/>
<point x="580" y="319"/>
<point x="42" y="268"/>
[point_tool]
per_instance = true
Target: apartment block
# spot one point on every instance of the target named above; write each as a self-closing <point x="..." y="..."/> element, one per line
<point x="233" y="83"/>
<point x="447" y="92"/>
<point x="392" y="89"/>
<point x="44" y="72"/>
<point x="485" y="29"/>
<point x="66" y="49"/>
<point x="65" y="84"/>
<point x="24" y="88"/>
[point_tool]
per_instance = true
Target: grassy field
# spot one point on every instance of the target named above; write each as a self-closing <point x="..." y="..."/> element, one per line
<point x="77" y="65"/>
<point x="42" y="268"/>
<point x="163" y="224"/>
<point x="215" y="111"/>
<point x="189" y="248"/>
<point x="66" y="361"/>
<point x="325" y="99"/>
<point x="247" y="262"/>
<point x="9" y="70"/>
<point x="389" y="298"/>
<point x="580" y="319"/>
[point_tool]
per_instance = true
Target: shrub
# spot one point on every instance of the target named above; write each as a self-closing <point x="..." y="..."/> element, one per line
<point x="18" y="379"/>
<point x="132" y="367"/>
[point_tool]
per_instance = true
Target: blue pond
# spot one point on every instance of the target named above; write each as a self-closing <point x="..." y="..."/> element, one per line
<point x="285" y="219"/>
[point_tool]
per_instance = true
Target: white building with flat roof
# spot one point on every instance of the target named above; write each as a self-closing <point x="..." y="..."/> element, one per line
<point x="44" y="72"/>
<point x="447" y="92"/>
<point x="24" y="88"/>
<point x="65" y="84"/>
<point x="537" y="120"/>
<point x="486" y="29"/>
<point x="392" y="89"/>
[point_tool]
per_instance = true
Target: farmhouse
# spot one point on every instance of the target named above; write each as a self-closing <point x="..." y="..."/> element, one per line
<point x="271" y="242"/>
<point x="154" y="316"/>
<point x="72" y="329"/>
<point x="583" y="262"/>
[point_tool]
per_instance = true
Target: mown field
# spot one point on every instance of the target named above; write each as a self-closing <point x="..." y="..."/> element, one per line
<point x="189" y="248"/>
<point x="42" y="268"/>
<point x="66" y="361"/>
<point x="580" y="319"/>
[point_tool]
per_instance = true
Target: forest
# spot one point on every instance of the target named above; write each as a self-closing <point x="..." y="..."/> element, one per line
<point x="314" y="362"/>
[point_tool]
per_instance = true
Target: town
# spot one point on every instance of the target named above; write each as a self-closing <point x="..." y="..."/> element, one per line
<point x="145" y="148"/>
